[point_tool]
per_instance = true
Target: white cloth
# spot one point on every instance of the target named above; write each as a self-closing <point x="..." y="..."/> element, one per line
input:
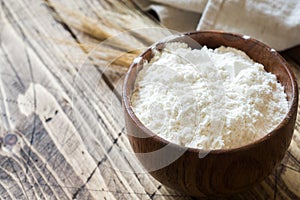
<point x="274" y="22"/>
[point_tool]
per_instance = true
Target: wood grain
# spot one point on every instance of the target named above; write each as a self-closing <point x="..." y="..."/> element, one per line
<point x="70" y="139"/>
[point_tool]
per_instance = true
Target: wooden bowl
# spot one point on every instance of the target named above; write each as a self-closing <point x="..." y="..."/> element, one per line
<point x="225" y="171"/>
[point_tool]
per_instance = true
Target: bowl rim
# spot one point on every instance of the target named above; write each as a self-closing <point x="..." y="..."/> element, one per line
<point x="126" y="98"/>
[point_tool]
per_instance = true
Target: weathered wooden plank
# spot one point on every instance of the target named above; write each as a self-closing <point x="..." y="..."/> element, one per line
<point x="18" y="120"/>
<point x="83" y="171"/>
<point x="71" y="143"/>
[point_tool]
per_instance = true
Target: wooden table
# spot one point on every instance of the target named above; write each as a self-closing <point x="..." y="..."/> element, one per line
<point x="61" y="128"/>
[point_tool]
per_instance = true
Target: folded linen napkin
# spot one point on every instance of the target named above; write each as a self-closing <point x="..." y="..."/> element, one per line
<point x="274" y="22"/>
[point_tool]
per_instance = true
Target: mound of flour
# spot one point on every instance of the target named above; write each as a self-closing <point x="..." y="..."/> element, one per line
<point x="207" y="99"/>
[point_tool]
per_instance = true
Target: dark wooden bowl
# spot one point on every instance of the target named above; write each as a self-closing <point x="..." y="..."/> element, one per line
<point x="225" y="171"/>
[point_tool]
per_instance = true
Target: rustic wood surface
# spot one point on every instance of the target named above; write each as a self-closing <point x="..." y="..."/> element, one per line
<point x="61" y="128"/>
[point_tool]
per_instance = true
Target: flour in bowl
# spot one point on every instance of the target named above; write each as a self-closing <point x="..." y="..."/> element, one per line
<point x="207" y="99"/>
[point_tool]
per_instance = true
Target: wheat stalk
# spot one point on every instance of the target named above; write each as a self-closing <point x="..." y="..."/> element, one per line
<point x="114" y="17"/>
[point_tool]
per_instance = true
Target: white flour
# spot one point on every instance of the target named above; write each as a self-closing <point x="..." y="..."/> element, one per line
<point x="207" y="99"/>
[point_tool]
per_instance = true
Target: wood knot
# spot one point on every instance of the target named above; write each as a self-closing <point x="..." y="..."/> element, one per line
<point x="11" y="143"/>
<point x="10" y="139"/>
